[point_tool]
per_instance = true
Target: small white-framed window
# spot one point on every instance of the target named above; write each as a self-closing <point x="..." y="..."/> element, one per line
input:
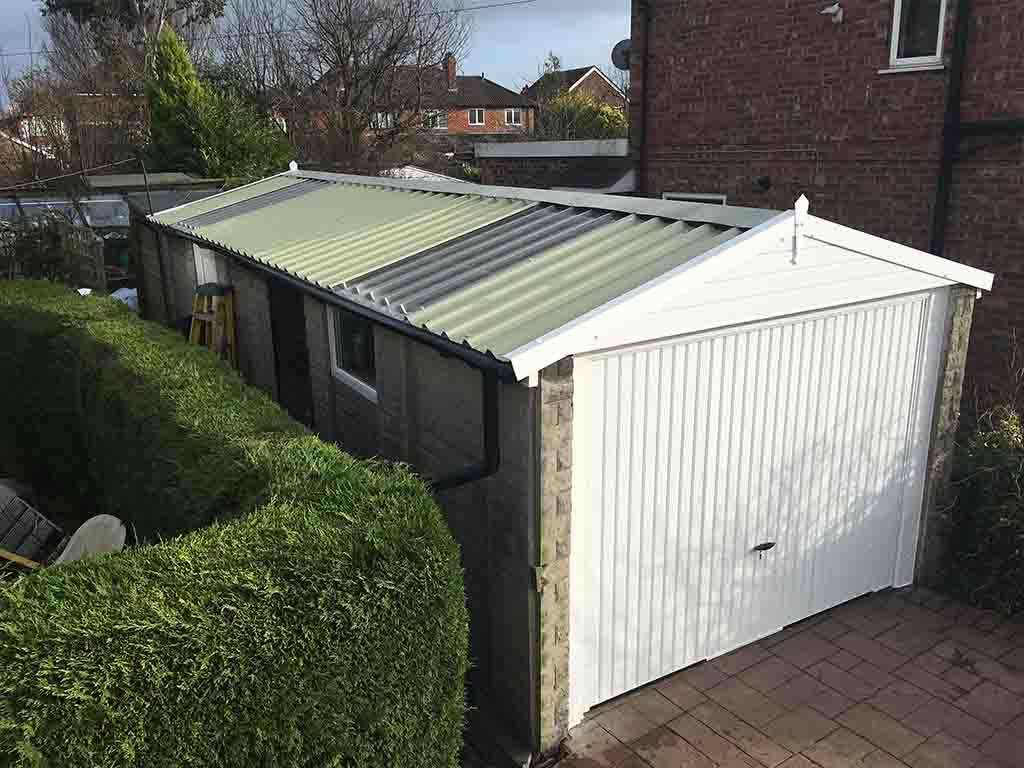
<point x="382" y="121"/>
<point x="436" y="120"/>
<point x="353" y="359"/>
<point x="476" y="116"/>
<point x="513" y="116"/>
<point x="695" y="197"/>
<point x="917" y="32"/>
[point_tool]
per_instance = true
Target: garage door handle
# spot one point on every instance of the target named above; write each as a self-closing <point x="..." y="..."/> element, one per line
<point x="764" y="546"/>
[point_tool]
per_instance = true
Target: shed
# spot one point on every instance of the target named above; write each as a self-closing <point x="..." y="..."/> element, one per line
<point x="659" y="430"/>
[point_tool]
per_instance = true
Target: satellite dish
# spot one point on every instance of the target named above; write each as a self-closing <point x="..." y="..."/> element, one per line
<point x="620" y="54"/>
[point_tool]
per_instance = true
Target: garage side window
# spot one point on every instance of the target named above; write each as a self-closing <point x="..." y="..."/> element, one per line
<point x="353" y="358"/>
<point x="917" y="32"/>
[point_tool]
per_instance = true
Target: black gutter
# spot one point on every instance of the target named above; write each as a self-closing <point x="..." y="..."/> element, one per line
<point x="491" y="369"/>
<point x="446" y="347"/>
<point x="950" y="128"/>
<point x="645" y="9"/>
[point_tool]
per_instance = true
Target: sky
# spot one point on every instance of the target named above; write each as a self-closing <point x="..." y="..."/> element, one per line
<point x="509" y="43"/>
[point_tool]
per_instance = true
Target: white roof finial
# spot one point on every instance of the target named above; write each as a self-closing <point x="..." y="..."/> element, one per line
<point x="293" y="166"/>
<point x="799" y="217"/>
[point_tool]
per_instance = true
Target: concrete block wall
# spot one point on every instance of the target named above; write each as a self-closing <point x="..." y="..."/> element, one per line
<point x="933" y="541"/>
<point x="340" y="413"/>
<point x="429" y="414"/>
<point x="151" y="284"/>
<point x="252" y="327"/>
<point x="556" y="390"/>
<point x="179" y="270"/>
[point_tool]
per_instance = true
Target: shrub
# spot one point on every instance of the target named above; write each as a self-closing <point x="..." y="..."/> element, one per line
<point x="578" y="115"/>
<point x="202" y="130"/>
<point x="988" y="515"/>
<point x="317" y="619"/>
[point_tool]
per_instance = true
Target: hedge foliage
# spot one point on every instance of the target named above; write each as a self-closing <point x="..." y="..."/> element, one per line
<point x="988" y="516"/>
<point x="293" y="607"/>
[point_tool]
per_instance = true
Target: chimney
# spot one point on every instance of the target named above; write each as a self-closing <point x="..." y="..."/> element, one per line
<point x="449" y="68"/>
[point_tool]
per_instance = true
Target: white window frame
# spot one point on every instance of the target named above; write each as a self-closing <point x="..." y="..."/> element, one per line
<point x="483" y="116"/>
<point x="914" y="61"/>
<point x="514" y="111"/>
<point x="434" y="120"/>
<point x="710" y="198"/>
<point x="340" y="374"/>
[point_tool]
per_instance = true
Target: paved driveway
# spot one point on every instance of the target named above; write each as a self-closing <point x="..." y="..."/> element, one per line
<point x="898" y="678"/>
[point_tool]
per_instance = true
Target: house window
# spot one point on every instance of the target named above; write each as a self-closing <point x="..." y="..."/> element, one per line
<point x="352" y="355"/>
<point x="382" y="121"/>
<point x="437" y="121"/>
<point x="712" y="198"/>
<point x="476" y="117"/>
<point x="917" y="32"/>
<point x="513" y="117"/>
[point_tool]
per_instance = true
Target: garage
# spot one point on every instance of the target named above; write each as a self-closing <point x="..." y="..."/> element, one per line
<point x="659" y="430"/>
<point x="731" y="481"/>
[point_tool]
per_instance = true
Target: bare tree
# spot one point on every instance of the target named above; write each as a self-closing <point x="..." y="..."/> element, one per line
<point x="379" y="66"/>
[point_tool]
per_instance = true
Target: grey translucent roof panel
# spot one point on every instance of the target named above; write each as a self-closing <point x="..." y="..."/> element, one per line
<point x="511" y="308"/>
<point x="411" y="284"/>
<point x="253" y="204"/>
<point x="337" y="232"/>
<point x="174" y="215"/>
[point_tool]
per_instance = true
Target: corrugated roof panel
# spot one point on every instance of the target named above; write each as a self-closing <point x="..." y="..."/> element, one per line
<point x="342" y="231"/>
<point x="253" y="204"/>
<point x="230" y="197"/>
<point x="411" y="284"/>
<point x="516" y="306"/>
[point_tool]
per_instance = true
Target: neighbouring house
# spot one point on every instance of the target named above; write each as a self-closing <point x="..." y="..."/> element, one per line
<point x="658" y="430"/>
<point x="450" y="107"/>
<point x="597" y="165"/>
<point x="589" y="80"/>
<point x="904" y="118"/>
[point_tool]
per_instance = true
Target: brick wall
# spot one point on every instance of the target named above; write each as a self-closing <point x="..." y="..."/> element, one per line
<point x="595" y="85"/>
<point x="556" y="387"/>
<point x="547" y="172"/>
<point x="494" y="122"/>
<point x="933" y="539"/>
<point x="746" y="91"/>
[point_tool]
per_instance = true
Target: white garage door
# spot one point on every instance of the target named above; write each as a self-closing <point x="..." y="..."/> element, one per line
<point x="805" y="436"/>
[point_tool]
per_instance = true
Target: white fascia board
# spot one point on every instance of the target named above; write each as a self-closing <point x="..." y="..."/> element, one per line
<point x="894" y="253"/>
<point x="612" y="324"/>
<point x="602" y="75"/>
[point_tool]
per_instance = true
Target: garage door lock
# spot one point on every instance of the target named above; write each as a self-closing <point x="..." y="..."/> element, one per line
<point x="762" y="548"/>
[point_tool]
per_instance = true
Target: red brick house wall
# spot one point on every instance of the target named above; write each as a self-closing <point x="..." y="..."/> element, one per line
<point x="494" y="121"/>
<point x="765" y="101"/>
<point x="597" y="86"/>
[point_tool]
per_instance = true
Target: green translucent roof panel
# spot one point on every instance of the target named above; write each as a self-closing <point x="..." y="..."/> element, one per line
<point x="341" y="231"/>
<point x="513" y="307"/>
<point x="225" y="199"/>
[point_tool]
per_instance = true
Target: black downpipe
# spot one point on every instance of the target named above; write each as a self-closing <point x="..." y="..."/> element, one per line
<point x="645" y="9"/>
<point x="950" y="127"/>
<point x="492" y="444"/>
<point x="491" y="369"/>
